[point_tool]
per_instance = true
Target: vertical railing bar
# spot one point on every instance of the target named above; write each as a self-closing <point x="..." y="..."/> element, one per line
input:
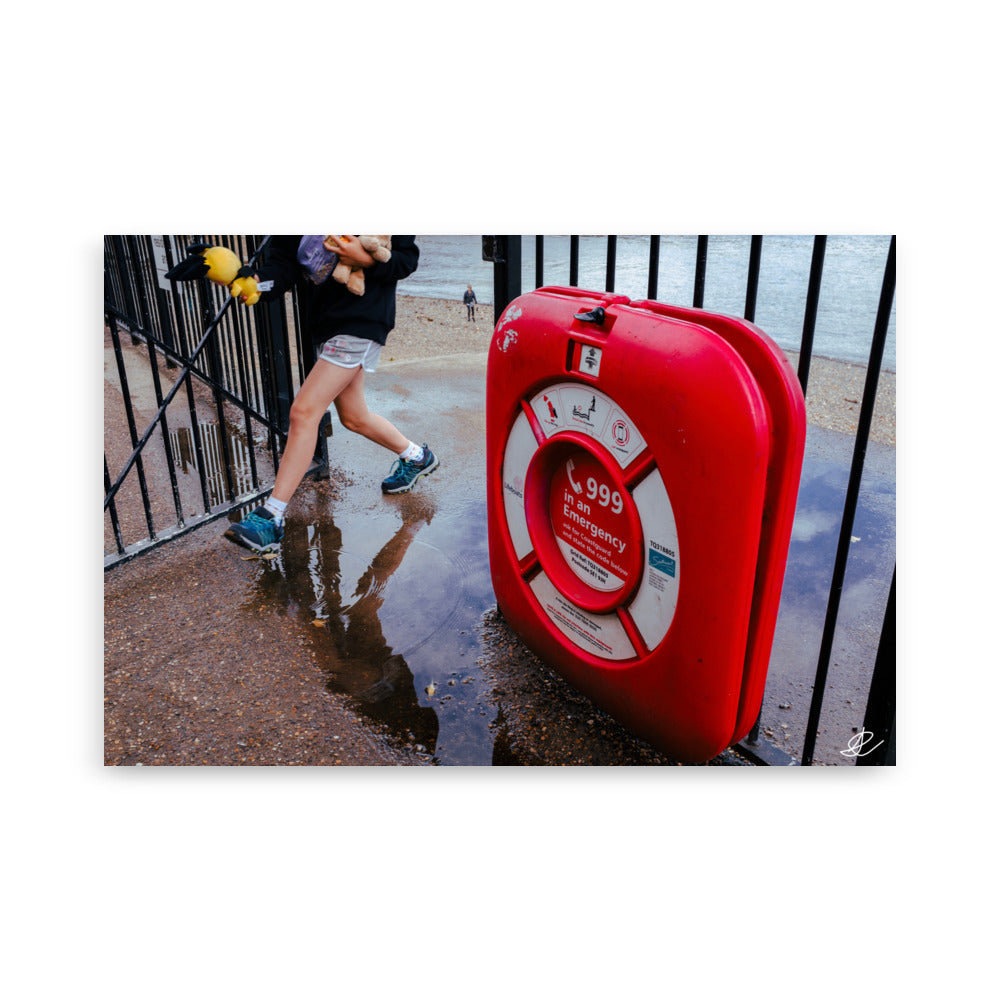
<point x="749" y="313"/>
<point x="506" y="273"/>
<point x="203" y="298"/>
<point x="154" y="368"/>
<point x="304" y="365"/>
<point x="138" y="285"/>
<point x="190" y="318"/>
<point x="290" y="350"/>
<point x="611" y="261"/>
<point x="125" y="286"/>
<point x="276" y="342"/>
<point x="110" y="291"/>
<point x="252" y="451"/>
<point x="178" y="305"/>
<point x="185" y="311"/>
<point x="109" y="285"/>
<point x="880" y="712"/>
<point x="812" y="306"/>
<point x="254" y="345"/>
<point x="263" y="366"/>
<point x="163" y="304"/>
<point x="701" y="266"/>
<point x="574" y="261"/>
<point x="254" y="361"/>
<point x="126" y="267"/>
<point x="130" y="418"/>
<point x="276" y="420"/>
<point x="243" y="367"/>
<point x="654" y="267"/>
<point x="753" y="278"/>
<point x="321" y="453"/>
<point x="192" y="302"/>
<point x="129" y="307"/>
<point x="214" y="368"/>
<point x="287" y="345"/>
<point x="539" y="261"/>
<point x="133" y="284"/>
<point x="261" y="374"/>
<point x="149" y="288"/>
<point x="851" y="503"/>
<point x="120" y="265"/>
<point x="246" y="322"/>
<point x="220" y="349"/>
<point x="199" y="456"/>
<point x="279" y="416"/>
<point x="241" y="370"/>
<point x="113" y="511"/>
<point x="246" y="392"/>
<point x="229" y="343"/>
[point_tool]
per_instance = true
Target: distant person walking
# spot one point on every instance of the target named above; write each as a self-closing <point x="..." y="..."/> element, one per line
<point x="469" y="298"/>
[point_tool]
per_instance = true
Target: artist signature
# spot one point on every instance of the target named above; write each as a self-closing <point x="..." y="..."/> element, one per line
<point x="857" y="743"/>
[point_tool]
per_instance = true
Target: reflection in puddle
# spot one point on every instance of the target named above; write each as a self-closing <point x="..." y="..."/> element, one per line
<point x="384" y="602"/>
<point x="806" y="593"/>
<point x="366" y="666"/>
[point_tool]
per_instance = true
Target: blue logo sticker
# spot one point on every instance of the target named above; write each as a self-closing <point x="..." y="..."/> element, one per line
<point x="658" y="561"/>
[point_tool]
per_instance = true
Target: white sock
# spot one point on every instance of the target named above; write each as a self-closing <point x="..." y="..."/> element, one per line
<point x="412" y="452"/>
<point x="277" y="508"/>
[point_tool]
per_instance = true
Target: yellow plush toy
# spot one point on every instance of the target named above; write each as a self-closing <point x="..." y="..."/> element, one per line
<point x="218" y="264"/>
<point x="380" y="247"/>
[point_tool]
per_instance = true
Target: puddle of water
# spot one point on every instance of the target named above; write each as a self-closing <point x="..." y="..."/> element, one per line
<point x="806" y="591"/>
<point x="394" y="597"/>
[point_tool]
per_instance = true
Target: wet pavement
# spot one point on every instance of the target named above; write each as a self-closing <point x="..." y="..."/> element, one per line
<point x="806" y="591"/>
<point x="373" y="637"/>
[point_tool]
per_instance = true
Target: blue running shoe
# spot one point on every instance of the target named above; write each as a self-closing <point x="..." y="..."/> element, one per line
<point x="405" y="474"/>
<point x="257" y="531"/>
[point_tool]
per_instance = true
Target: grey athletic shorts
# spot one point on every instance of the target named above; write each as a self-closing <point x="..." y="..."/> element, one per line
<point x="348" y="351"/>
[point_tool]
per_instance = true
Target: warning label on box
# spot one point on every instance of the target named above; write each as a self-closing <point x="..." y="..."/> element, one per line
<point x="576" y="407"/>
<point x="590" y="528"/>
<point x="601" y="635"/>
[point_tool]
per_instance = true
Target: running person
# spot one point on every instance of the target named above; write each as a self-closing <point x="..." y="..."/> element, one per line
<point x="349" y="332"/>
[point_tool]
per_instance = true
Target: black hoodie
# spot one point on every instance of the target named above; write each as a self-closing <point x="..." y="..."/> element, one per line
<point x="329" y="309"/>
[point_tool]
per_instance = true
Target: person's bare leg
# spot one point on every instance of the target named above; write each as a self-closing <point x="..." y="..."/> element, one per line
<point x="352" y="408"/>
<point x="322" y="386"/>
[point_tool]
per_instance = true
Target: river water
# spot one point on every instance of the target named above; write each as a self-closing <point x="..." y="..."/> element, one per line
<point x="849" y="294"/>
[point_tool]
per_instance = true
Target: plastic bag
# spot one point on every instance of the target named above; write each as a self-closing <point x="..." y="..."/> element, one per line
<point x="317" y="261"/>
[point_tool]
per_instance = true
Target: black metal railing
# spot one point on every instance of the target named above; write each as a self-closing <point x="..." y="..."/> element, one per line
<point x="880" y="716"/>
<point x="234" y="371"/>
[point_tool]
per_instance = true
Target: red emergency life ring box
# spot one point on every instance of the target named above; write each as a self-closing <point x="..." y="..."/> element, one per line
<point x="643" y="468"/>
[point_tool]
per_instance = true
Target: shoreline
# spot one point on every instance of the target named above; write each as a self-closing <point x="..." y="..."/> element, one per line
<point x="428" y="328"/>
